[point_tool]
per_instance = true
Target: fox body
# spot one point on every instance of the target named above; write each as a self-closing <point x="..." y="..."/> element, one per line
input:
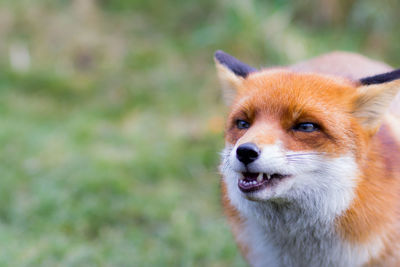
<point x="311" y="167"/>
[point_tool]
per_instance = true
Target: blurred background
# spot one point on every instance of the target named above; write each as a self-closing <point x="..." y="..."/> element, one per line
<point x="111" y="118"/>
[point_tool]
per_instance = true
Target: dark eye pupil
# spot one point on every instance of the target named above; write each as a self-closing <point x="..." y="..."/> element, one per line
<point x="306" y="127"/>
<point x="241" y="124"/>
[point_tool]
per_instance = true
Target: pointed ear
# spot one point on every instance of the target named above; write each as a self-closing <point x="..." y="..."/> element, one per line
<point x="374" y="97"/>
<point x="231" y="73"/>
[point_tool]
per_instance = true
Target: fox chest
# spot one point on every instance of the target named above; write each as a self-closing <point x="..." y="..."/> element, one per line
<point x="300" y="245"/>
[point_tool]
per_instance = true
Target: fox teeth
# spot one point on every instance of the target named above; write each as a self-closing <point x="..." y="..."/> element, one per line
<point x="260" y="177"/>
<point x="268" y="176"/>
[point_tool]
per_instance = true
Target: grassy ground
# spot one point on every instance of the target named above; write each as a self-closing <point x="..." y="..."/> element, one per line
<point x="111" y="120"/>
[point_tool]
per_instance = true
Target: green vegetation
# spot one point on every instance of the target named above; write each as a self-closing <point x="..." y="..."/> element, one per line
<point x="111" y="119"/>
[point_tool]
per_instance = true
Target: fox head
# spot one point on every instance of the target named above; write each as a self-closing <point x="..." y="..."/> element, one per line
<point x="298" y="137"/>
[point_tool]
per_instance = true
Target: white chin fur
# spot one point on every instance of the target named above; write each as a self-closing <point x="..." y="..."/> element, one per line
<point x="321" y="185"/>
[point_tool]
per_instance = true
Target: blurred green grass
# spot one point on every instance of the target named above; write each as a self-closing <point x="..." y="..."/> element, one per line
<point x="112" y="120"/>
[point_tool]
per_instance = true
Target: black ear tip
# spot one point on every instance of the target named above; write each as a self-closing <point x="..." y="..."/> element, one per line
<point x="381" y="78"/>
<point x="219" y="55"/>
<point x="236" y="66"/>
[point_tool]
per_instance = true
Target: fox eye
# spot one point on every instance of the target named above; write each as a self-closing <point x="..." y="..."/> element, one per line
<point x="241" y="124"/>
<point x="306" y="127"/>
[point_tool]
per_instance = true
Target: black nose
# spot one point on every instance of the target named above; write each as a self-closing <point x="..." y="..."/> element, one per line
<point x="247" y="153"/>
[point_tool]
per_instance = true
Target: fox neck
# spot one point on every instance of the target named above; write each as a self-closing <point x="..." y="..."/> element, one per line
<point x="292" y="235"/>
<point x="287" y="242"/>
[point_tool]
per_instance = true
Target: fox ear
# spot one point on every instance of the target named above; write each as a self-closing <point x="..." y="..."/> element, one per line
<point x="231" y="73"/>
<point x="374" y="98"/>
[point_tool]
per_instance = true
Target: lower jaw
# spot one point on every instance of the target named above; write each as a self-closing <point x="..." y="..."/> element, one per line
<point x="265" y="184"/>
<point x="255" y="188"/>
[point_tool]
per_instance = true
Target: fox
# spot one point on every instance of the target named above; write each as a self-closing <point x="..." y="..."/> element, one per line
<point x="311" y="164"/>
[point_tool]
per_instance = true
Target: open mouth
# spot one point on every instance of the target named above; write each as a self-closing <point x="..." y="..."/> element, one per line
<point x="250" y="182"/>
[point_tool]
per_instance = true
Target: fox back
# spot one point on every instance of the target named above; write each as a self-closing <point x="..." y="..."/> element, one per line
<point x="311" y="167"/>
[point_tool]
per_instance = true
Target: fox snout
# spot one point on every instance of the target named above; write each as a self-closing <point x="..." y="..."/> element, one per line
<point x="247" y="153"/>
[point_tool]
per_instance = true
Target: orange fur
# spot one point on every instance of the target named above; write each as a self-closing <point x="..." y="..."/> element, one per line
<point x="294" y="98"/>
<point x="375" y="211"/>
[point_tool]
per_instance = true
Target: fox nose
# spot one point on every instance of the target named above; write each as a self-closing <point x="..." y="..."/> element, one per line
<point x="247" y="153"/>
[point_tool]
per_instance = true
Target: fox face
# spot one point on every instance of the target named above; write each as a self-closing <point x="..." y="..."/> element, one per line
<point x="287" y="140"/>
<point x="302" y="152"/>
